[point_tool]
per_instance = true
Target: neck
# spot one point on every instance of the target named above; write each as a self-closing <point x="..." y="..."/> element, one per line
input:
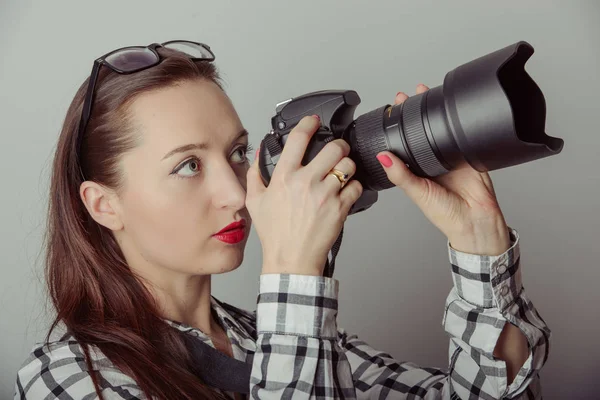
<point x="186" y="300"/>
<point x="180" y="297"/>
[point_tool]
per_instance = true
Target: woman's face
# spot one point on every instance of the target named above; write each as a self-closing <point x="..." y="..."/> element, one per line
<point x="185" y="182"/>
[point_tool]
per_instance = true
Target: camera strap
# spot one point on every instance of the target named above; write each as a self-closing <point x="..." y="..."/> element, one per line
<point x="219" y="371"/>
<point x="215" y="369"/>
<point x="330" y="262"/>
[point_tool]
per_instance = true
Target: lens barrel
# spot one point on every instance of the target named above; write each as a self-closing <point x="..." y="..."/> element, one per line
<point x="488" y="113"/>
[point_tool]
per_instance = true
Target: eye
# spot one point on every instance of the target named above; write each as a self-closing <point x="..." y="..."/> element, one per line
<point x="240" y="155"/>
<point x="188" y="168"/>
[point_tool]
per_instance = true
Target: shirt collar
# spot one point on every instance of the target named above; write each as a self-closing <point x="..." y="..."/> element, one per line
<point x="227" y="321"/>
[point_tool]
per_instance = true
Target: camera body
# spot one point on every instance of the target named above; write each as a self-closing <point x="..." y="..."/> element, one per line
<point x="336" y="110"/>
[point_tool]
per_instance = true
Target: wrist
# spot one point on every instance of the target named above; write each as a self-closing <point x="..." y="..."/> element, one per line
<point x="266" y="270"/>
<point x="280" y="266"/>
<point x="488" y="239"/>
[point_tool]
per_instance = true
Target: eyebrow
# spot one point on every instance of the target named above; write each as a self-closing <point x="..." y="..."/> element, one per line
<point x="199" y="146"/>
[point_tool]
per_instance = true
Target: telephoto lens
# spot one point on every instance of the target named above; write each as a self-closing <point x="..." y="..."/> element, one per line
<point x="488" y="113"/>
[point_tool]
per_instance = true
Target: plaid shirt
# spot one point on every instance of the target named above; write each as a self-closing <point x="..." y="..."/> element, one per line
<point x="297" y="351"/>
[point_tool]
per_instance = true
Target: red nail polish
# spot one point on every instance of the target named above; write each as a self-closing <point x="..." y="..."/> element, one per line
<point x="385" y="160"/>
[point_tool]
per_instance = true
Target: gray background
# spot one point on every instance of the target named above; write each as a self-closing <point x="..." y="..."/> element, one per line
<point x="393" y="263"/>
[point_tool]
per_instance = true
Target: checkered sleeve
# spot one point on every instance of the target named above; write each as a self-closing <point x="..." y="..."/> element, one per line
<point x="58" y="371"/>
<point x="487" y="294"/>
<point x="301" y="353"/>
<point x="297" y="354"/>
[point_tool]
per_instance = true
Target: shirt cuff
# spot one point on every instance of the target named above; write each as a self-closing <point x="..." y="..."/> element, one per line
<point x="300" y="305"/>
<point x="488" y="281"/>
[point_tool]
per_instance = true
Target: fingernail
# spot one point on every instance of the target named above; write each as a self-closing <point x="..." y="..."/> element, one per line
<point x="257" y="150"/>
<point x="317" y="117"/>
<point x="384" y="160"/>
<point x="399" y="93"/>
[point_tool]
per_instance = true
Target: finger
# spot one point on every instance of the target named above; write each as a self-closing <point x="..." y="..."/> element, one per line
<point x="327" y="159"/>
<point x="487" y="180"/>
<point x="399" y="174"/>
<point x="421" y="88"/>
<point x="254" y="182"/>
<point x="350" y="194"/>
<point x="400" y="98"/>
<point x="297" y="141"/>
<point x="331" y="182"/>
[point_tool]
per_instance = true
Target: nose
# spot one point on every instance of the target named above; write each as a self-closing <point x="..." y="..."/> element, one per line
<point x="227" y="188"/>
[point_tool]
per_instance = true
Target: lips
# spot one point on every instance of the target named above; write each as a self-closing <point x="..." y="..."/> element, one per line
<point x="232" y="233"/>
<point x="241" y="224"/>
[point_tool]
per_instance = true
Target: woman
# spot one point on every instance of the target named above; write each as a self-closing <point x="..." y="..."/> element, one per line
<point x="152" y="193"/>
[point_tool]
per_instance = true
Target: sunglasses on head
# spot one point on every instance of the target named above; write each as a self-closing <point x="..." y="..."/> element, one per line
<point x="128" y="60"/>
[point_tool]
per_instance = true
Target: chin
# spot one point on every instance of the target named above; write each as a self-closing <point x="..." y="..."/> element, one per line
<point x="229" y="260"/>
<point x="220" y="257"/>
<point x="227" y="267"/>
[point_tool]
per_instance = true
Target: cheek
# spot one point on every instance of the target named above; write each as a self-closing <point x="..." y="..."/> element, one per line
<point x="165" y="224"/>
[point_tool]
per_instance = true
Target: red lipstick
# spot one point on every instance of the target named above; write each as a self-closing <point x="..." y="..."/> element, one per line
<point x="232" y="233"/>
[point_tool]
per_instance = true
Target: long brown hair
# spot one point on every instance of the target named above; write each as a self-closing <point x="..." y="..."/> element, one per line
<point x="95" y="294"/>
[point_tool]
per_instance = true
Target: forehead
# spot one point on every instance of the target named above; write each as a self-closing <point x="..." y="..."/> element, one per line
<point x="189" y="112"/>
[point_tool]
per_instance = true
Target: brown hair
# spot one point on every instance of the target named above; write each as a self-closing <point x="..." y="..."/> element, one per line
<point x="95" y="293"/>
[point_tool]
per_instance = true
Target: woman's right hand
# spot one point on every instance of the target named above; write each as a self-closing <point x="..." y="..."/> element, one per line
<point x="300" y="214"/>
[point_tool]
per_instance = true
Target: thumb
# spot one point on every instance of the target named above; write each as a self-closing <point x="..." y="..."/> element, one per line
<point x="255" y="184"/>
<point x="399" y="174"/>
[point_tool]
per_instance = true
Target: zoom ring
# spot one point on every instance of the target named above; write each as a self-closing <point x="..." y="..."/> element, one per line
<point x="370" y="140"/>
<point x="416" y="139"/>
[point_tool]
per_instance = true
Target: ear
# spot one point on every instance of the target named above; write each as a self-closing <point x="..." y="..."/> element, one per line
<point x="102" y="204"/>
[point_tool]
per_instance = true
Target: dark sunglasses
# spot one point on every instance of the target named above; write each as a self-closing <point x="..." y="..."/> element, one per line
<point x="128" y="60"/>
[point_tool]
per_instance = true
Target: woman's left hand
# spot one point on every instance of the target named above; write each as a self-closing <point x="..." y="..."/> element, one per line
<point x="461" y="203"/>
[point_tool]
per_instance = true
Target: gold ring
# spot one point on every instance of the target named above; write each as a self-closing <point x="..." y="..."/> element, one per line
<point x="341" y="176"/>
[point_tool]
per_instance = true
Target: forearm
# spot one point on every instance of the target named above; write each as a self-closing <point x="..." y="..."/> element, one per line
<point x="297" y="355"/>
<point x="487" y="312"/>
<point x="494" y="240"/>
<point x="513" y="349"/>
